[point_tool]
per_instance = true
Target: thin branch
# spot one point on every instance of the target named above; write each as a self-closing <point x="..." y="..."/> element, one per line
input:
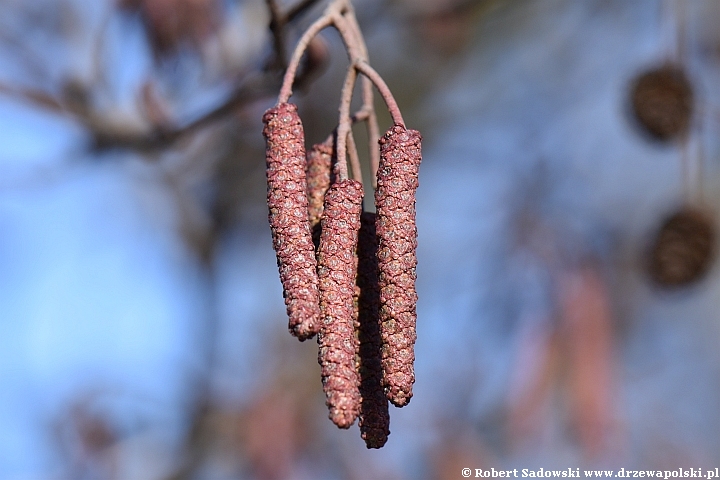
<point x="277" y="27"/>
<point x="344" y="124"/>
<point x="354" y="157"/>
<point x="361" y="115"/>
<point x="260" y="86"/>
<point x="36" y="97"/>
<point x="373" y="130"/>
<point x="278" y="21"/>
<point x="348" y="36"/>
<point x="321" y="23"/>
<point x="382" y="87"/>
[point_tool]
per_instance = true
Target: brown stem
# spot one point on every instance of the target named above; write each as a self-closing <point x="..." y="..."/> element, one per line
<point x="277" y="27"/>
<point x="373" y="130"/>
<point x="37" y="97"/>
<point x="344" y="122"/>
<point x="363" y="67"/>
<point x="278" y="21"/>
<point x="328" y="18"/>
<point x="361" y="115"/>
<point x="354" y="158"/>
<point x="348" y="36"/>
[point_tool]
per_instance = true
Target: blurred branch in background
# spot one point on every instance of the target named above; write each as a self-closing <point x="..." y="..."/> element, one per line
<point x="174" y="28"/>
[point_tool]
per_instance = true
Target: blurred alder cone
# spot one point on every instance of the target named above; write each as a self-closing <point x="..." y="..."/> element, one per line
<point x="172" y="24"/>
<point x="684" y="248"/>
<point x="662" y="101"/>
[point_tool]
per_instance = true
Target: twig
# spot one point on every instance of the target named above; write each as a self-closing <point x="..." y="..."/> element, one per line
<point x="340" y="14"/>
<point x="363" y="67"/>
<point x="277" y="27"/>
<point x="373" y="130"/>
<point x="361" y="115"/>
<point x="321" y="23"/>
<point x="344" y="122"/>
<point x="36" y="97"/>
<point x="354" y="157"/>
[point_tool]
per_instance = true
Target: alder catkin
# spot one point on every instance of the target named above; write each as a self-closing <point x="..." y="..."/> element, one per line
<point x="374" y="417"/>
<point x="397" y="181"/>
<point x="318" y="173"/>
<point x="288" y="215"/>
<point x="337" y="269"/>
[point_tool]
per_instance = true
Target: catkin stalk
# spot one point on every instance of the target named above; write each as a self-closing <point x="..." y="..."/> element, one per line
<point x="400" y="156"/>
<point x="337" y="270"/>
<point x="288" y="216"/>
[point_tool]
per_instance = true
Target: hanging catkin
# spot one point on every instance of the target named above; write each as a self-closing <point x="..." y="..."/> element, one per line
<point x="374" y="419"/>
<point x="288" y="205"/>
<point x="397" y="180"/>
<point x="337" y="269"/>
<point x="318" y="172"/>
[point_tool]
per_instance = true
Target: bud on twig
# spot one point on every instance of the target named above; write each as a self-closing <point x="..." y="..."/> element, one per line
<point x="374" y="416"/>
<point x="397" y="180"/>
<point x="337" y="269"/>
<point x="288" y="205"/>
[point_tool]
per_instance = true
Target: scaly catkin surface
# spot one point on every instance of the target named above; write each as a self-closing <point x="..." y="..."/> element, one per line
<point x="397" y="179"/>
<point x="288" y="206"/>
<point x="374" y="415"/>
<point x="337" y="269"/>
<point x="318" y="172"/>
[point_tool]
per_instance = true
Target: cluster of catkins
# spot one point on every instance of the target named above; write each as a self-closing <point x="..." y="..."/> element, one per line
<point x="347" y="275"/>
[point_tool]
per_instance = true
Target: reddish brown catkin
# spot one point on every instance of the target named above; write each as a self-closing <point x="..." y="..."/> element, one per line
<point x="318" y="172"/>
<point x="288" y="206"/>
<point x="374" y="416"/>
<point x="337" y="269"/>
<point x="397" y="181"/>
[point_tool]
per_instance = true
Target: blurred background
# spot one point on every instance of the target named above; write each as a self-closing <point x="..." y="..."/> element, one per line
<point x="567" y="318"/>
